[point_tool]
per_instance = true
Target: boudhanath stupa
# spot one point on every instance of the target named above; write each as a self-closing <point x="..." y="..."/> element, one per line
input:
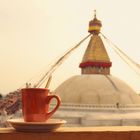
<point x="97" y="98"/>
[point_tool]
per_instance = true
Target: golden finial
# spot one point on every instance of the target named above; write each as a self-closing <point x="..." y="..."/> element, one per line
<point x="95" y="25"/>
<point x="94" y="13"/>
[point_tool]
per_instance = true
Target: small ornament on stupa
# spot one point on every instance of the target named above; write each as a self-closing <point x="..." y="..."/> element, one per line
<point x="94" y="25"/>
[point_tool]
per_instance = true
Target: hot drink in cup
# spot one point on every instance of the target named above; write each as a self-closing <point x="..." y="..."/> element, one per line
<point x="35" y="104"/>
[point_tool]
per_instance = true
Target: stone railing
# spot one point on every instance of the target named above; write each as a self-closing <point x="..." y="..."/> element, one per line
<point x="96" y="107"/>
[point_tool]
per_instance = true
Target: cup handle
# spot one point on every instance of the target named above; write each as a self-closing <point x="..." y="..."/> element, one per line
<point x="49" y="98"/>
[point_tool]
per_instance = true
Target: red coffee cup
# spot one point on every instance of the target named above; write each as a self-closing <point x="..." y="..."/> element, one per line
<point x="35" y="104"/>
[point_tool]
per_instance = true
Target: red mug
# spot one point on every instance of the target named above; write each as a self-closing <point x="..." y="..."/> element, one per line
<point x="35" y="104"/>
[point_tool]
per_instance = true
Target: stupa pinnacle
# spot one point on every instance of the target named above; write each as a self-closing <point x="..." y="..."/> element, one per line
<point x="95" y="59"/>
<point x="95" y="25"/>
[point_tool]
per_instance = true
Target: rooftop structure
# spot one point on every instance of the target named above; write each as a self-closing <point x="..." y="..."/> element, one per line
<point x="96" y="86"/>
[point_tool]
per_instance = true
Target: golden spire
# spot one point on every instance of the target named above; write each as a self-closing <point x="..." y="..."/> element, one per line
<point x="95" y="59"/>
<point x="95" y="25"/>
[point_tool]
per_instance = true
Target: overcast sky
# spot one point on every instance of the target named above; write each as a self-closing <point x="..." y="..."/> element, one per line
<point x="33" y="33"/>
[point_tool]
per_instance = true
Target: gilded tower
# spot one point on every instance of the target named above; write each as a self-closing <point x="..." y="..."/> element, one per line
<point x="95" y="59"/>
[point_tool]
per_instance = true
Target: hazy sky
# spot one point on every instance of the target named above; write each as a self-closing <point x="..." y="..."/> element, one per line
<point x="33" y="33"/>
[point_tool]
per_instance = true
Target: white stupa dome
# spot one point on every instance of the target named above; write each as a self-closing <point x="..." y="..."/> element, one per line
<point x="95" y="85"/>
<point x="96" y="89"/>
<point x="96" y="98"/>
